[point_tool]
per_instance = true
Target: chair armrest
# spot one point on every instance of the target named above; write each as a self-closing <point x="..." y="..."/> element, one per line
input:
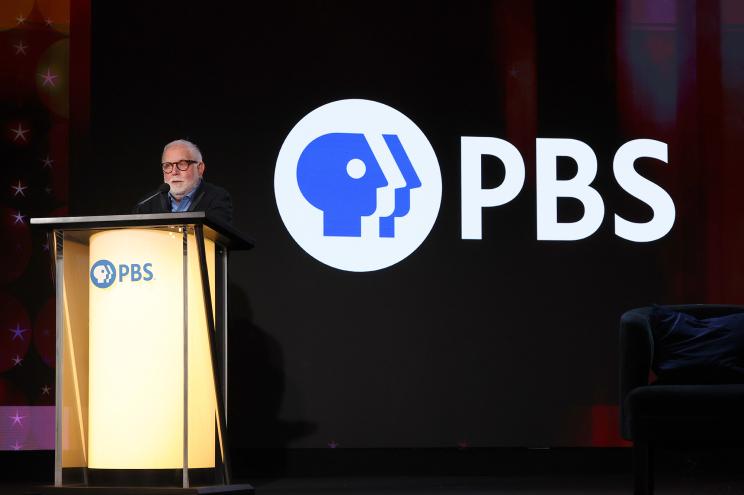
<point x="636" y="354"/>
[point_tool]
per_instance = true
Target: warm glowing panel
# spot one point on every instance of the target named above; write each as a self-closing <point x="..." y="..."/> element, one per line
<point x="136" y="353"/>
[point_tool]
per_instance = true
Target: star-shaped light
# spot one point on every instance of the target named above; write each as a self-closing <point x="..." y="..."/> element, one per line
<point x="20" y="19"/>
<point x="48" y="22"/>
<point x="45" y="390"/>
<point x="20" y="48"/>
<point x="48" y="162"/>
<point x="18" y="218"/>
<point x="20" y="132"/>
<point x="17" y="331"/>
<point x="16" y="446"/>
<point x="48" y="78"/>
<point x="17" y="360"/>
<point x="17" y="419"/>
<point x="19" y="189"/>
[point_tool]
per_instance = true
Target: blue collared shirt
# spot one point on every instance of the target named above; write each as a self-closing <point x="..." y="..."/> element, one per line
<point x="185" y="203"/>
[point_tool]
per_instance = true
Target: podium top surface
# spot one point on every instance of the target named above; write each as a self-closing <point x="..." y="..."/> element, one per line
<point x="221" y="233"/>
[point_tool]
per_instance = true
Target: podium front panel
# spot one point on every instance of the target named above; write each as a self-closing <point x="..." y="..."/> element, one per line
<point x="130" y="296"/>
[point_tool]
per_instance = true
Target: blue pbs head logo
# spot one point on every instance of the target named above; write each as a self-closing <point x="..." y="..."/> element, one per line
<point x="103" y="274"/>
<point x="339" y="174"/>
<point x="357" y="185"/>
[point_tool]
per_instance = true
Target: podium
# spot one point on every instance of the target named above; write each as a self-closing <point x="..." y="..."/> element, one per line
<point x="141" y="361"/>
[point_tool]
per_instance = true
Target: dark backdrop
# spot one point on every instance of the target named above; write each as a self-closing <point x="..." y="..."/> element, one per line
<point x="505" y="341"/>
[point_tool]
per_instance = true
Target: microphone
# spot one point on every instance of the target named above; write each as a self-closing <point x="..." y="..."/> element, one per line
<point x="164" y="188"/>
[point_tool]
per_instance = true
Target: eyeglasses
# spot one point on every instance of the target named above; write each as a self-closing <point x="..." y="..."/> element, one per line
<point x="183" y="165"/>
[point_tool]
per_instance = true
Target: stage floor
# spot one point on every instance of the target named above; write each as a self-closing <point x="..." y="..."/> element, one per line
<point x="498" y="471"/>
<point x="667" y="484"/>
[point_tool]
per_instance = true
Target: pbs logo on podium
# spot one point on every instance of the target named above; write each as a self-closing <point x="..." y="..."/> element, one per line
<point x="103" y="274"/>
<point x="357" y="185"/>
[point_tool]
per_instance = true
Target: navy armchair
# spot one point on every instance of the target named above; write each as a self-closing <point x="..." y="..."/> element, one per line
<point x="671" y="415"/>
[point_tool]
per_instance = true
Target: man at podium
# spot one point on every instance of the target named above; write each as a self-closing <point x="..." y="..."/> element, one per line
<point x="184" y="188"/>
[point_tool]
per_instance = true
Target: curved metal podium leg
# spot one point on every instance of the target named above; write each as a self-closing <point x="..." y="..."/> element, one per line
<point x="221" y="423"/>
<point x="185" y="473"/>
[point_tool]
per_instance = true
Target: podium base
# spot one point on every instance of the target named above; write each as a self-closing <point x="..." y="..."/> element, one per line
<point x="242" y="489"/>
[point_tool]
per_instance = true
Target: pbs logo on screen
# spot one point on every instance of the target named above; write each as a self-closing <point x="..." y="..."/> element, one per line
<point x="357" y="185"/>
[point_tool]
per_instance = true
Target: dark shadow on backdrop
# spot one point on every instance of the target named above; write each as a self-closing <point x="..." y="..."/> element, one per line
<point x="256" y="388"/>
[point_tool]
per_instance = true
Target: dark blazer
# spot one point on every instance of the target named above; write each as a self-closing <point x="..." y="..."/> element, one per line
<point x="213" y="200"/>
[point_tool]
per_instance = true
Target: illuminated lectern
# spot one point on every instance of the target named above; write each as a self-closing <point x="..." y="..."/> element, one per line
<point x="142" y="352"/>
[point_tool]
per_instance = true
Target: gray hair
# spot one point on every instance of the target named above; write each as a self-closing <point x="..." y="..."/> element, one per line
<point x="194" y="149"/>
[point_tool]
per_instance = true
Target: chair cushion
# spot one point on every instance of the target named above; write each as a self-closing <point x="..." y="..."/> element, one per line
<point x="689" y="350"/>
<point x="687" y="412"/>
